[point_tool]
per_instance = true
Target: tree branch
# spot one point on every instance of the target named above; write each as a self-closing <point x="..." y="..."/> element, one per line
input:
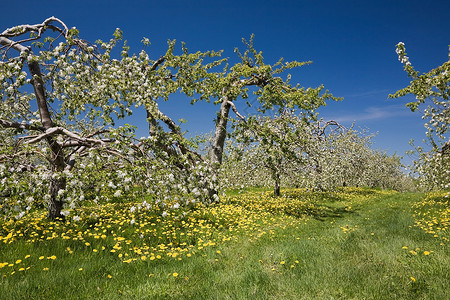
<point x="17" y="125"/>
<point x="233" y="107"/>
<point x="60" y="130"/>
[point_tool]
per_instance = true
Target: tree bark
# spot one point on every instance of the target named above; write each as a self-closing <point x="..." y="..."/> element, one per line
<point x="276" y="190"/>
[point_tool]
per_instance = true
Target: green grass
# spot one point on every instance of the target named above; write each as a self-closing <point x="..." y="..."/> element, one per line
<point x="356" y="244"/>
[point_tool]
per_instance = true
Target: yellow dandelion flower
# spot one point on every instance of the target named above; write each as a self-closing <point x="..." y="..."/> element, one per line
<point x="45" y="269"/>
<point x="426" y="252"/>
<point x="175" y="274"/>
<point x="109" y="276"/>
<point x="143" y="257"/>
<point x="80" y="269"/>
<point x="413" y="279"/>
<point x="27" y="256"/>
<point x="18" y="261"/>
<point x="282" y="262"/>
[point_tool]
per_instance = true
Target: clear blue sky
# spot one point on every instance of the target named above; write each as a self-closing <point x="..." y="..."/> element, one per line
<point x="351" y="44"/>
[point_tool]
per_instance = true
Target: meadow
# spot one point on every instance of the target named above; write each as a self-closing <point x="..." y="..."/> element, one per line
<point x="354" y="243"/>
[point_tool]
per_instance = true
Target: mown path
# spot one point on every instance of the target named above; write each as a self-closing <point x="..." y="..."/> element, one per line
<point x="373" y="252"/>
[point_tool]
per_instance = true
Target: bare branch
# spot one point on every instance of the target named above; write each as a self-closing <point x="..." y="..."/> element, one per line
<point x="60" y="130"/>
<point x="10" y="124"/>
<point x="233" y="107"/>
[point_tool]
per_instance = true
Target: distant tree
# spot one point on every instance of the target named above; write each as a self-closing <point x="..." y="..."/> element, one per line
<point x="432" y="88"/>
<point x="295" y="151"/>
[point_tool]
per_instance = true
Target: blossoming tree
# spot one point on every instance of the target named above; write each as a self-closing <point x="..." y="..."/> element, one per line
<point x="431" y="89"/>
<point x="78" y="91"/>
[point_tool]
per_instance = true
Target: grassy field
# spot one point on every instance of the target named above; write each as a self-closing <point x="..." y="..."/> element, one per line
<point x="352" y="244"/>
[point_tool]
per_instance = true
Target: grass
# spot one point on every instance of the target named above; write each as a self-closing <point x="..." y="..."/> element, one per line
<point x="351" y="244"/>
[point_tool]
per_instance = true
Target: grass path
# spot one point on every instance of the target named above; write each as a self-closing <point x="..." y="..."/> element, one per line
<point x="371" y="251"/>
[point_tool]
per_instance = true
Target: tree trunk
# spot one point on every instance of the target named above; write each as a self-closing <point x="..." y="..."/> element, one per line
<point x="220" y="133"/>
<point x="57" y="161"/>
<point x="55" y="205"/>
<point x="276" y="190"/>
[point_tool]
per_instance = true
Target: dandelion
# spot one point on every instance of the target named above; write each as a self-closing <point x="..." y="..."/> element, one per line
<point x="45" y="269"/>
<point x="18" y="261"/>
<point x="426" y="252"/>
<point x="413" y="279"/>
<point x="175" y="274"/>
<point x="80" y="269"/>
<point x="53" y="257"/>
<point x="282" y="262"/>
<point x="109" y="276"/>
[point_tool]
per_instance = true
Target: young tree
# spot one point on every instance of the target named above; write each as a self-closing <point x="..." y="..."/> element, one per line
<point x="432" y="88"/>
<point x="278" y="144"/>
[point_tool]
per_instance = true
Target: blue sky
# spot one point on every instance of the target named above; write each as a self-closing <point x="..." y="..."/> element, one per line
<point x="351" y="44"/>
